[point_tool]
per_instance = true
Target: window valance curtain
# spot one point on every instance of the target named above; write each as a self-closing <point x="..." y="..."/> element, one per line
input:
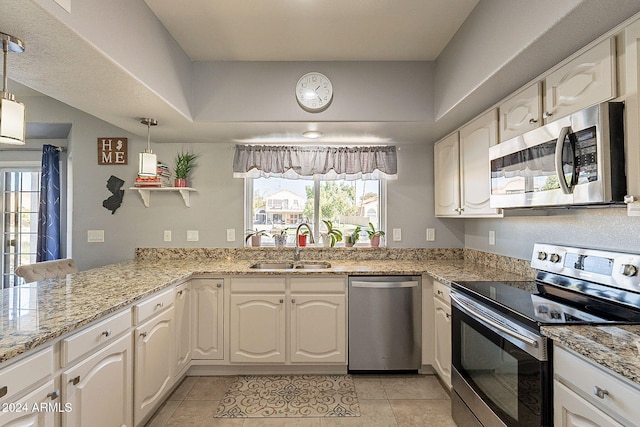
<point x="298" y="162"/>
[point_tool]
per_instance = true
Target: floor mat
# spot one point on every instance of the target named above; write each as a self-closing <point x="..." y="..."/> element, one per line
<point x="291" y="396"/>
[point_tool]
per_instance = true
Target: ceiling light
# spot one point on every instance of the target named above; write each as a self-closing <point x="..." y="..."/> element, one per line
<point x="147" y="161"/>
<point x="312" y="134"/>
<point x="12" y="112"/>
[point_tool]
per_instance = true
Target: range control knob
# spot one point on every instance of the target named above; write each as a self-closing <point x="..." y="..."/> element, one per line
<point x="629" y="270"/>
<point x="554" y="257"/>
<point x="542" y="255"/>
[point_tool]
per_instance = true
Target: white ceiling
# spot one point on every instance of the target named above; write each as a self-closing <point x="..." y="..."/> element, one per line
<point x="306" y="30"/>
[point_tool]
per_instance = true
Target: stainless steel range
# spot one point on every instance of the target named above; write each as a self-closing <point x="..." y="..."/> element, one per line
<point x="502" y="367"/>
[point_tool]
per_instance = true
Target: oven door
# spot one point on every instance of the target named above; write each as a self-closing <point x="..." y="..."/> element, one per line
<point x="500" y="369"/>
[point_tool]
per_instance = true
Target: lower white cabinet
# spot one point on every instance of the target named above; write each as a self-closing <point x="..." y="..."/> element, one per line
<point x="183" y="329"/>
<point x="442" y="332"/>
<point x="21" y="413"/>
<point x="587" y="394"/>
<point x="98" y="391"/>
<point x="154" y="350"/>
<point x="208" y="318"/>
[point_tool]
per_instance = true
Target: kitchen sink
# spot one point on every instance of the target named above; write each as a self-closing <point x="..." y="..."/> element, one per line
<point x="289" y="265"/>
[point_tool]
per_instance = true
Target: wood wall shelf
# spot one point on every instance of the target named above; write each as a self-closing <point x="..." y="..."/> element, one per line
<point x="145" y="193"/>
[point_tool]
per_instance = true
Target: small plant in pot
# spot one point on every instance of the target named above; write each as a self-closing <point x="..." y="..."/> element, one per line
<point x="280" y="237"/>
<point x="255" y="236"/>
<point x="185" y="162"/>
<point x="332" y="236"/>
<point x="374" y="235"/>
<point x="352" y="239"/>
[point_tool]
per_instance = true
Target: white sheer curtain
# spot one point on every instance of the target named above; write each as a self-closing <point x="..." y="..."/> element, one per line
<point x="298" y="162"/>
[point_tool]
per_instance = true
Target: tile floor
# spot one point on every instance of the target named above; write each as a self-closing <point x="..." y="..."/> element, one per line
<point x="390" y="400"/>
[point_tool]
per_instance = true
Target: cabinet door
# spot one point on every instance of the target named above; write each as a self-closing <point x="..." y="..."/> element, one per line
<point x="20" y="413"/>
<point x="521" y="113"/>
<point x="475" y="168"/>
<point x="442" y="340"/>
<point x="632" y="106"/>
<point x="99" y="389"/>
<point x="154" y="343"/>
<point x="587" y="80"/>
<point x="257" y="328"/>
<point x="318" y="328"/>
<point x="570" y="410"/>
<point x="446" y="169"/>
<point x="183" y="329"/>
<point x="208" y="318"/>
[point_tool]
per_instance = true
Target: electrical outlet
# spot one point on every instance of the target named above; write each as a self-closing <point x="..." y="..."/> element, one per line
<point x="397" y="234"/>
<point x="192" y="236"/>
<point x="492" y="237"/>
<point x="431" y="234"/>
<point x="231" y="234"/>
<point x="95" y="236"/>
<point x="167" y="235"/>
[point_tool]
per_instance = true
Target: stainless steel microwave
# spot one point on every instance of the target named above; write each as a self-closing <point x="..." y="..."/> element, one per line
<point x="575" y="160"/>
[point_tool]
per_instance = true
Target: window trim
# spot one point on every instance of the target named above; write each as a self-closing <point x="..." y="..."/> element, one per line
<point x="248" y="208"/>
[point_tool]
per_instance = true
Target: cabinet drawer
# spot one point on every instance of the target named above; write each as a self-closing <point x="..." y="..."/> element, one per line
<point x="442" y="291"/>
<point x="258" y="284"/>
<point x="23" y="374"/>
<point x="94" y="336"/>
<point x="153" y="305"/>
<point x="585" y="378"/>
<point x="318" y="284"/>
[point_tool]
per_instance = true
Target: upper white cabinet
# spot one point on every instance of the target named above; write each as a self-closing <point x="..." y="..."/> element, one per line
<point x="631" y="82"/>
<point x="208" y="318"/>
<point x="521" y="112"/>
<point x="446" y="168"/>
<point x="586" y="80"/>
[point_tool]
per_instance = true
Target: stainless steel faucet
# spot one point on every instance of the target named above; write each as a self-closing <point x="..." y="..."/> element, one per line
<point x="296" y="254"/>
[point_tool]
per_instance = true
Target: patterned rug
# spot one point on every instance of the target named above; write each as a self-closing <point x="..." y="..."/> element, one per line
<point x="291" y="396"/>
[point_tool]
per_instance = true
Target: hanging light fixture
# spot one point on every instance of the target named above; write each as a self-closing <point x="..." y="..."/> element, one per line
<point x="147" y="161"/>
<point x="12" y="113"/>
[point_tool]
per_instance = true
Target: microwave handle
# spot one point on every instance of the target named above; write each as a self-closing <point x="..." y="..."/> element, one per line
<point x="566" y="189"/>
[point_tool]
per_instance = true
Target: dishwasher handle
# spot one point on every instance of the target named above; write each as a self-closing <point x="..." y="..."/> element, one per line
<point x="384" y="285"/>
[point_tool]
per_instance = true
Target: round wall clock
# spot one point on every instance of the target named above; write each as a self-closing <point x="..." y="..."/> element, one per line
<point x="314" y="92"/>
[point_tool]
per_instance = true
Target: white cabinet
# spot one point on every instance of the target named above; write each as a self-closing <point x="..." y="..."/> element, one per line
<point x="307" y="313"/>
<point x="20" y="413"/>
<point x="521" y="112"/>
<point x="446" y="168"/>
<point x="99" y="388"/>
<point x="318" y="320"/>
<point x="442" y="323"/>
<point x="466" y="163"/>
<point x="587" y="394"/>
<point x="183" y="329"/>
<point x="154" y="360"/>
<point x="588" y="79"/>
<point x="631" y="82"/>
<point x="208" y="318"/>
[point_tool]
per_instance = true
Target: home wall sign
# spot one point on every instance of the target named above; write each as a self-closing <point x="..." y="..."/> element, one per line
<point x="112" y="151"/>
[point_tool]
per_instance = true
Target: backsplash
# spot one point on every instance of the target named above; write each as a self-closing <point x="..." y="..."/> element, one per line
<point x="501" y="262"/>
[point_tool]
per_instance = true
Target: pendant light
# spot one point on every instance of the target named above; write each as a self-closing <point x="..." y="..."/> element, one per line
<point x="147" y="161"/>
<point x="12" y="113"/>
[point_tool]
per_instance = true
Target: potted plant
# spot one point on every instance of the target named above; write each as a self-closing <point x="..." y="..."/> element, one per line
<point x="302" y="238"/>
<point x="374" y="235"/>
<point x="185" y="162"/>
<point x="332" y="236"/>
<point x="255" y="236"/>
<point x="352" y="239"/>
<point x="280" y="237"/>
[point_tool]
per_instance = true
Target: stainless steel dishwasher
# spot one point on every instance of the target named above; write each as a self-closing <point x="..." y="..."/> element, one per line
<point x="384" y="323"/>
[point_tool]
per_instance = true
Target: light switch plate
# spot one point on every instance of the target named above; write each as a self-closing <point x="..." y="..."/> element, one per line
<point x="492" y="237"/>
<point x="397" y="234"/>
<point x="95" y="236"/>
<point x="431" y="234"/>
<point x="192" y="236"/>
<point x="167" y="235"/>
<point x="231" y="234"/>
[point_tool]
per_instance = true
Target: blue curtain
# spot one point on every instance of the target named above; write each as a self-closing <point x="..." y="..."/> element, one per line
<point x="49" y="212"/>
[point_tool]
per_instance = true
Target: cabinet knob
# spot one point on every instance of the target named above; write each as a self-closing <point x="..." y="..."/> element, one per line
<point x="54" y="394"/>
<point x="547" y="114"/>
<point x="160" y="305"/>
<point x="281" y="300"/>
<point x="180" y="292"/>
<point x="600" y="392"/>
<point x="448" y="315"/>
<point x="439" y="292"/>
<point x="219" y="285"/>
<point x="293" y="300"/>
<point x="3" y="391"/>
<point x="143" y="334"/>
<point x="532" y="121"/>
<point x="75" y="380"/>
<point x="106" y="333"/>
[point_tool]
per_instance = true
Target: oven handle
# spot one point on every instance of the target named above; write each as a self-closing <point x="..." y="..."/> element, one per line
<point x="566" y="189"/>
<point x="481" y="316"/>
